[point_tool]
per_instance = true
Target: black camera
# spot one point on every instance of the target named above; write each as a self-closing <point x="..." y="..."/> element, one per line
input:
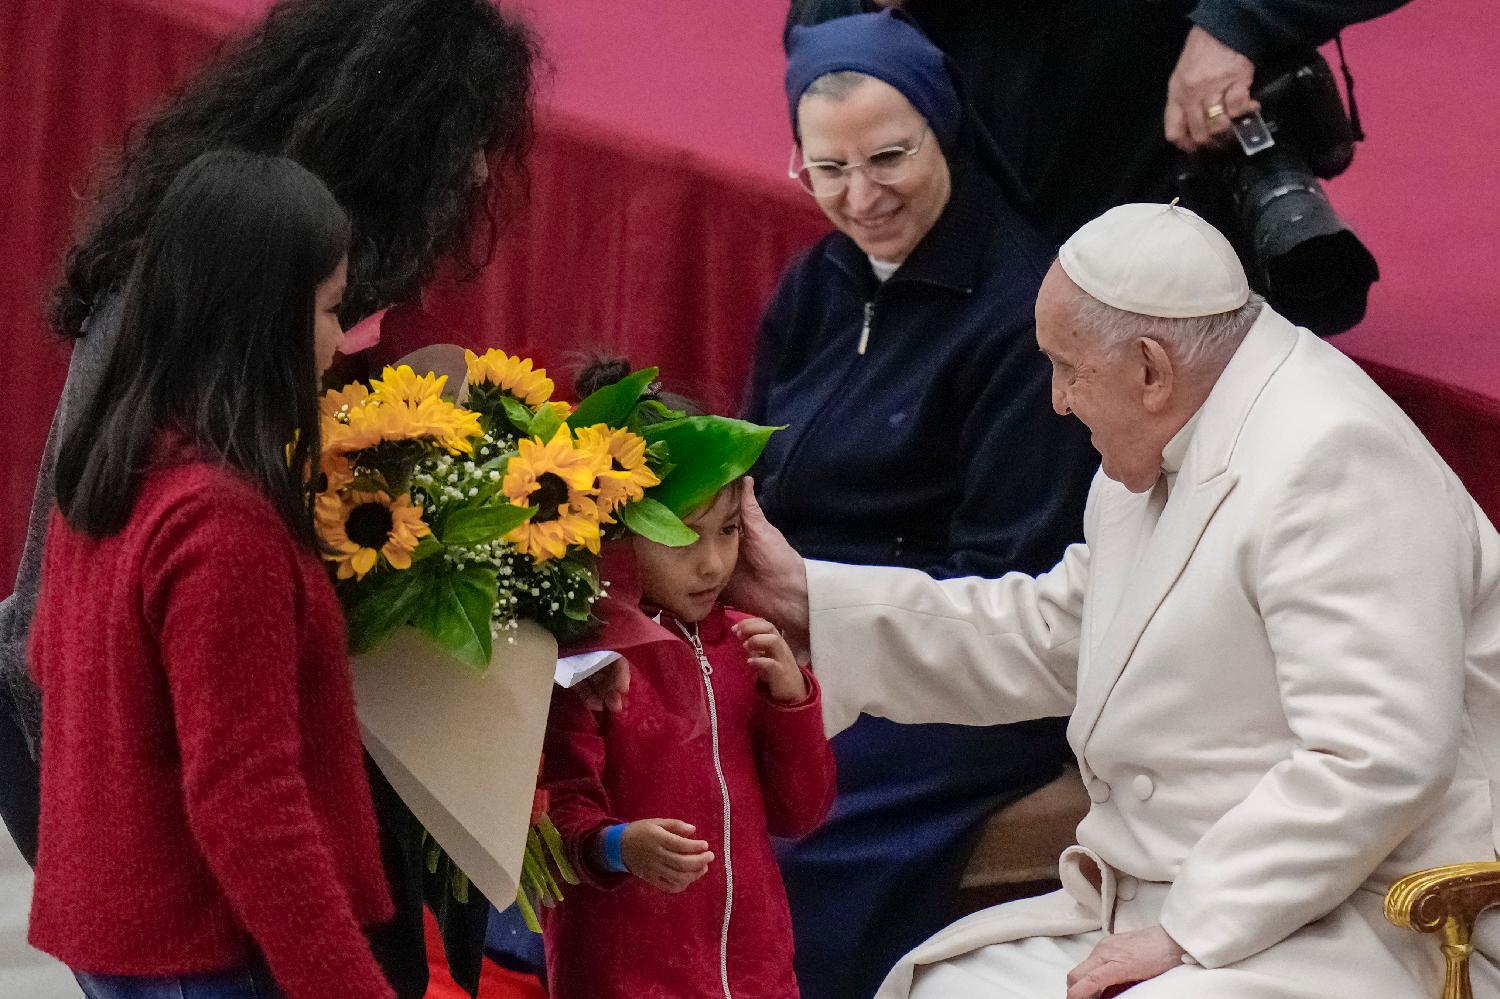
<point x="1311" y="267"/>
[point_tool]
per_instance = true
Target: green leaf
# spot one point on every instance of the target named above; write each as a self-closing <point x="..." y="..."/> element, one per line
<point x="612" y="404"/>
<point x="477" y="525"/>
<point x="534" y="872"/>
<point x="708" y="453"/>
<point x="426" y="548"/>
<point x="544" y="425"/>
<point x="655" y="522"/>
<point x="580" y="576"/>
<point x="554" y="841"/>
<point x="385" y="605"/>
<point x="457" y="613"/>
<point x="528" y="912"/>
<point x="649" y="412"/>
<point x="538" y="854"/>
<point x="516" y="411"/>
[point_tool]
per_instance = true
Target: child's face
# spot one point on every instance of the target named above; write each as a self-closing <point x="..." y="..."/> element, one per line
<point x="685" y="582"/>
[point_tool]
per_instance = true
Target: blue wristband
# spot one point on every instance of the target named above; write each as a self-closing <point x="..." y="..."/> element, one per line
<point x="614" y="856"/>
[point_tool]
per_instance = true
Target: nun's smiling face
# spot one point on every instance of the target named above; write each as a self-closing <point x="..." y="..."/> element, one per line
<point x="886" y="220"/>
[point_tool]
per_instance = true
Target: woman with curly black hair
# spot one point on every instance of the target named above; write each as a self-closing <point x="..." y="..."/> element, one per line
<point x="401" y="107"/>
<point x="417" y="115"/>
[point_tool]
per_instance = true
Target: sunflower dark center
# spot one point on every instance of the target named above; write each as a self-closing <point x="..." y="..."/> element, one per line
<point x="369" y="525"/>
<point x="550" y="496"/>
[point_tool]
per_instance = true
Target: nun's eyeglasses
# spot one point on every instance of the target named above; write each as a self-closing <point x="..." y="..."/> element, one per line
<point x="830" y="178"/>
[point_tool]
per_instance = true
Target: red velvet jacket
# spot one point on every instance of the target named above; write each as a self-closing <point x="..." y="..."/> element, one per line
<point x="203" y="791"/>
<point x="616" y="936"/>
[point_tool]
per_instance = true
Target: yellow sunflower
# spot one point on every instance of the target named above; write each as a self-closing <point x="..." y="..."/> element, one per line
<point x="559" y="480"/>
<point x="334" y="409"/>
<point x="511" y="374"/>
<point x="375" y="422"/>
<point x="625" y="476"/>
<point x="338" y="470"/>
<point x="359" y="527"/>
<point x="336" y="404"/>
<point x="405" y="386"/>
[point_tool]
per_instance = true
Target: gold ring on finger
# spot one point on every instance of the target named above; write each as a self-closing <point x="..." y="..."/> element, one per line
<point x="1215" y="111"/>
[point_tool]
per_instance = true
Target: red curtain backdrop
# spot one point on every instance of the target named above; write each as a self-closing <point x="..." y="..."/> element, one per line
<point x="661" y="217"/>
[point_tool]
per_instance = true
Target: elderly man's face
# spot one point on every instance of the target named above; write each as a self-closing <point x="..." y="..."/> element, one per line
<point x="1102" y="387"/>
<point x="887" y="221"/>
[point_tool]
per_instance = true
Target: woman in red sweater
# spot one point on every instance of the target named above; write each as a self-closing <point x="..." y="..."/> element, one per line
<point x="206" y="824"/>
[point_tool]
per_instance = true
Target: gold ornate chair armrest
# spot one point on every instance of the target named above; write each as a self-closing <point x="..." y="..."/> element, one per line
<point x="1447" y="900"/>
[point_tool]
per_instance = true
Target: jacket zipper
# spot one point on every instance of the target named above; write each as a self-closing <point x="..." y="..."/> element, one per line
<point x="795" y="452"/>
<point x="713" y="723"/>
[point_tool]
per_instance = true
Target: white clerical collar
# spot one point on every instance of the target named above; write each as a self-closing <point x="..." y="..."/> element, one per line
<point x="884" y="268"/>
<point x="1175" y="453"/>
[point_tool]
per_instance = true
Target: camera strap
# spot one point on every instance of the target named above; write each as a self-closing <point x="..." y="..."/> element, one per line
<point x="1358" y="129"/>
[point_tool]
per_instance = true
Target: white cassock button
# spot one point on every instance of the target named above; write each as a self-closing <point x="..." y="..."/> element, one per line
<point x="1098" y="791"/>
<point x="1127" y="887"/>
<point x="1144" y="786"/>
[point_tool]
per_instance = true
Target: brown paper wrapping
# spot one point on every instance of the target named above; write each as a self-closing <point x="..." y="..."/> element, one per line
<point x="461" y="749"/>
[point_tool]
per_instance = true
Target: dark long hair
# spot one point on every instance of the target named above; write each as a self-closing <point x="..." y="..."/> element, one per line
<point x="216" y="340"/>
<point x="387" y="101"/>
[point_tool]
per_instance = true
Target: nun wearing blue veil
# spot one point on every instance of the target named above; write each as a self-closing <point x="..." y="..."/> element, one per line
<point x="900" y="353"/>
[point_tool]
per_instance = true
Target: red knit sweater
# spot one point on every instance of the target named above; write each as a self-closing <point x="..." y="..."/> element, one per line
<point x="616" y="937"/>
<point x="203" y="791"/>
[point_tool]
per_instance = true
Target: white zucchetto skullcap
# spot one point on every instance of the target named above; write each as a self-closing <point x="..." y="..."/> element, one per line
<point x="1156" y="260"/>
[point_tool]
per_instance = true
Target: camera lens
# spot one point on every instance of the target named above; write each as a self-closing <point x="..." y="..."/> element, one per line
<point x="1313" y="267"/>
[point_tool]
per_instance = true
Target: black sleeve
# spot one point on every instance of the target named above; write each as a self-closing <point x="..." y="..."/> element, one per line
<point x="1028" y="476"/>
<point x="1258" y="29"/>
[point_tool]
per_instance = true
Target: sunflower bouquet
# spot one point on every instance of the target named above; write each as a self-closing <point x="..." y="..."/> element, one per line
<point x="462" y="510"/>
<point x="465" y="510"/>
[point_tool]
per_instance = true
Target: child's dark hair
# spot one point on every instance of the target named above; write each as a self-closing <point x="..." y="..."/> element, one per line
<point x="605" y="369"/>
<point x="216" y="340"/>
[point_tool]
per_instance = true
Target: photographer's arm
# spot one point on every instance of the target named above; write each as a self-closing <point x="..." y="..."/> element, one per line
<point x="1211" y="85"/>
<point x="1259" y="29"/>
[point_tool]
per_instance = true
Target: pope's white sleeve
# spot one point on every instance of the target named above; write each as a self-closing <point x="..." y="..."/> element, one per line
<point x="1365" y="577"/>
<point x="901" y="645"/>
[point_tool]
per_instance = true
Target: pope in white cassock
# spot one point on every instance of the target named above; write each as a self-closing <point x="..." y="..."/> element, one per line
<point x="1279" y="645"/>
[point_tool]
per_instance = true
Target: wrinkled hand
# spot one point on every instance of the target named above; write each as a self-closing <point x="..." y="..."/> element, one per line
<point x="659" y="852"/>
<point x="770" y="580"/>
<point x="1124" y="959"/>
<point x="606" y="689"/>
<point x="1208" y="73"/>
<point x="772" y="658"/>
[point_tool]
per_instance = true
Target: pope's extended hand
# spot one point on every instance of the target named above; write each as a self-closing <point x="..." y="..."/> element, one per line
<point x="659" y="852"/>
<point x="770" y="580"/>
<point x="1124" y="959"/>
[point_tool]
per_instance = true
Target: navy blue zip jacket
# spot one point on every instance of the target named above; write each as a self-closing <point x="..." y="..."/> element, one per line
<point x="937" y="448"/>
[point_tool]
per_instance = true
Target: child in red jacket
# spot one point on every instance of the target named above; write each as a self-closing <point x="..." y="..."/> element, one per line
<point x="668" y="805"/>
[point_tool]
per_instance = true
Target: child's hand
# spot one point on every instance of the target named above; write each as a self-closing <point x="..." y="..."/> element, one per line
<point x="772" y="658"/>
<point x="659" y="852"/>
